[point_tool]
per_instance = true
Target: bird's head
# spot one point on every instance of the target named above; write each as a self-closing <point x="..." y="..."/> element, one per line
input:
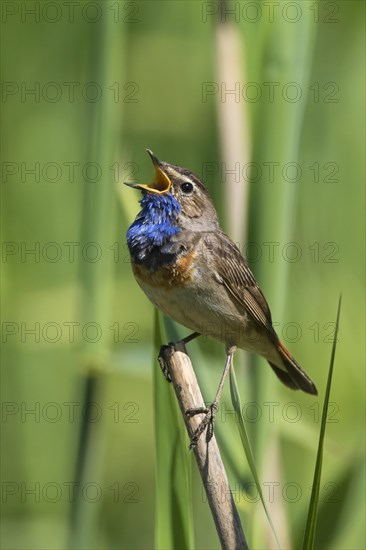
<point x="196" y="207"/>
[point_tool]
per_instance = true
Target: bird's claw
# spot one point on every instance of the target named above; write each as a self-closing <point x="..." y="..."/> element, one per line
<point x="208" y="422"/>
<point x="163" y="364"/>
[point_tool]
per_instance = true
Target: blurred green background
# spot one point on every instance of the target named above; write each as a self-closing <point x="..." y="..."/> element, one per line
<point x="87" y="86"/>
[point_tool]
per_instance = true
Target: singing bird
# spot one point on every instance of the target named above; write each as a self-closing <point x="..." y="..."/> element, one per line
<point x="192" y="271"/>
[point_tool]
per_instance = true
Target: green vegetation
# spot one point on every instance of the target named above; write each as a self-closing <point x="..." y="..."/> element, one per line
<point x="107" y="84"/>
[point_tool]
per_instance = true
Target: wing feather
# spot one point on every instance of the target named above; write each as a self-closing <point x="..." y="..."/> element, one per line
<point x="233" y="272"/>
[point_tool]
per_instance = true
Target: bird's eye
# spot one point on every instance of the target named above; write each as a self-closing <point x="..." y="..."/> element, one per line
<point x="187" y="187"/>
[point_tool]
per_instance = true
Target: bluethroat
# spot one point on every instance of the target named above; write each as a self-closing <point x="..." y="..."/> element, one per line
<point x="191" y="270"/>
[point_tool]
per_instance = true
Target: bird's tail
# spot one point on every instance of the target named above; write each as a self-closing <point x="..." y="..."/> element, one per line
<point x="293" y="377"/>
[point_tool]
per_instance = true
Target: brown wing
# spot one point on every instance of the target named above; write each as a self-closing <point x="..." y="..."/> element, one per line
<point x="233" y="272"/>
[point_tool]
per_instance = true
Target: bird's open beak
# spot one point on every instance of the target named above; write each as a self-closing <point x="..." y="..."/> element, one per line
<point x="161" y="182"/>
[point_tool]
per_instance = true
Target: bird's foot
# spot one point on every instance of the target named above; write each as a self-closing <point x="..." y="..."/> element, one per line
<point x="208" y="422"/>
<point x="170" y="347"/>
<point x="162" y="362"/>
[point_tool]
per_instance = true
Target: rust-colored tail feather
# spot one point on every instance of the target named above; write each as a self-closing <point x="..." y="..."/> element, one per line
<point x="294" y="377"/>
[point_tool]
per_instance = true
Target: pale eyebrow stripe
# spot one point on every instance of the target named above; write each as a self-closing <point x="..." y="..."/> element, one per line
<point x="173" y="172"/>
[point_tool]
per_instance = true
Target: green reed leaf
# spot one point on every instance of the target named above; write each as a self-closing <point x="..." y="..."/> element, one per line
<point x="174" y="517"/>
<point x="310" y="529"/>
<point x="235" y="399"/>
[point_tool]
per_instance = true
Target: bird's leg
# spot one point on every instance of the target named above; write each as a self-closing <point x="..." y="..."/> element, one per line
<point x="171" y="345"/>
<point x="209" y="418"/>
<point x="190" y="337"/>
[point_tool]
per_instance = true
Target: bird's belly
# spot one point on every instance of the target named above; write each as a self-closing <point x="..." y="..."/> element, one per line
<point x="179" y="303"/>
<point x="202" y="305"/>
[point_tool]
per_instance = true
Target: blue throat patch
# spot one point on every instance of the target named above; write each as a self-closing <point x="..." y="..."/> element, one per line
<point x="152" y="229"/>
